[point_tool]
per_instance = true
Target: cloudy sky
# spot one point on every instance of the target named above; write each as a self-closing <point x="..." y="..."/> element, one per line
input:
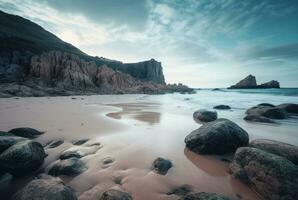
<point x="202" y="43"/>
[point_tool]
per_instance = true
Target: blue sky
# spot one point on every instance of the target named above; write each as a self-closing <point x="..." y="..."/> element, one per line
<point x="201" y="43"/>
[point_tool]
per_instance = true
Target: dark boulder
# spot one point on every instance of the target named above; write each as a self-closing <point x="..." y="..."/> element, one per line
<point x="70" y="154"/>
<point x="161" y="165"/>
<point x="113" y="194"/>
<point x="3" y="133"/>
<point x="289" y="107"/>
<point x="266" y="104"/>
<point x="258" y="118"/>
<point x="218" y="137"/>
<point x="203" y="196"/>
<point x="272" y="176"/>
<point x="268" y="111"/>
<point x="205" y="115"/>
<point x="26" y="132"/>
<point x="279" y="148"/>
<point x="7" y="141"/>
<point x="45" y="188"/>
<point x="54" y="143"/>
<point x="181" y="190"/>
<point x="80" y="142"/>
<point x="222" y="107"/>
<point x="68" y="167"/>
<point x="22" y="158"/>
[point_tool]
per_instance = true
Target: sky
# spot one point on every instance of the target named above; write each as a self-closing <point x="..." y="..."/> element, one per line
<point x="201" y="43"/>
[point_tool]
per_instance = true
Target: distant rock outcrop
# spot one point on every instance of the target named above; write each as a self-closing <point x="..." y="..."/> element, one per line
<point x="250" y="82"/>
<point x="270" y="84"/>
<point x="247" y="82"/>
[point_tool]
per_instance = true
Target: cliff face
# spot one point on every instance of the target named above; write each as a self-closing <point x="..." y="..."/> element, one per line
<point x="150" y="70"/>
<point x="250" y="83"/>
<point x="60" y="73"/>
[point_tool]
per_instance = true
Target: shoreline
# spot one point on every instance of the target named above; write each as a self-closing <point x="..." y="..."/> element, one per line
<point x="132" y="131"/>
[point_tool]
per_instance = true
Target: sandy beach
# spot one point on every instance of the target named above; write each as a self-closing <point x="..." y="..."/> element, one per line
<point x="132" y="131"/>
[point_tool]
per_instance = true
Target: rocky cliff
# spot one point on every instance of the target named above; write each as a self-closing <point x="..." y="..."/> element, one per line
<point x="250" y="82"/>
<point x="60" y="73"/>
<point x="39" y="63"/>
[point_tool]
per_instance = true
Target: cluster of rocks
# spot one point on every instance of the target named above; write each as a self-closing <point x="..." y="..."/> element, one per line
<point x="269" y="166"/>
<point x="267" y="113"/>
<point x="250" y="82"/>
<point x="18" y="154"/>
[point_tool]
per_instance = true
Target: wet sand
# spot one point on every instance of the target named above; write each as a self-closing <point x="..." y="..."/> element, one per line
<point x="132" y="130"/>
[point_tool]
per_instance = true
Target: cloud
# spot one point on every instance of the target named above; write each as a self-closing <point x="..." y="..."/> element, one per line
<point x="278" y="53"/>
<point x="133" y="13"/>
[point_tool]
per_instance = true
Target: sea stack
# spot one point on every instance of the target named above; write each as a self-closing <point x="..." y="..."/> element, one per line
<point x="247" y="83"/>
<point x="250" y="82"/>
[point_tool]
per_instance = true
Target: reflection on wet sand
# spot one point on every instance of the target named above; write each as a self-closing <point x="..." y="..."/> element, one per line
<point x="208" y="164"/>
<point x="137" y="112"/>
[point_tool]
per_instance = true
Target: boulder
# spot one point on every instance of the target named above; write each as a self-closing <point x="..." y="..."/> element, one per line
<point x="3" y="133"/>
<point x="272" y="176"/>
<point x="26" y="132"/>
<point x="205" y="115"/>
<point x="161" y="165"/>
<point x="268" y="111"/>
<point x="80" y="142"/>
<point x="79" y="151"/>
<point x="68" y="167"/>
<point x="45" y="188"/>
<point x="181" y="190"/>
<point x="54" y="143"/>
<point x="203" y="196"/>
<point x="22" y="158"/>
<point x="266" y="104"/>
<point x="218" y="137"/>
<point x="7" y="141"/>
<point x="289" y="107"/>
<point x="247" y="83"/>
<point x="258" y="118"/>
<point x="279" y="148"/>
<point x="222" y="107"/>
<point x="113" y="194"/>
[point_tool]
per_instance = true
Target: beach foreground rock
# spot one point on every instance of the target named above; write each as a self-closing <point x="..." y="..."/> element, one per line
<point x="7" y="141"/>
<point x="161" y="165"/>
<point x="222" y="107"/>
<point x="68" y="167"/>
<point x="203" y="196"/>
<point x="205" y="115"/>
<point x="113" y="194"/>
<point x="267" y="111"/>
<point x="258" y="118"/>
<point x="289" y="107"/>
<point x="218" y="137"/>
<point x="274" y="177"/>
<point x="79" y="151"/>
<point x="279" y="148"/>
<point x="26" y="132"/>
<point x="46" y="188"/>
<point x="22" y="158"/>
